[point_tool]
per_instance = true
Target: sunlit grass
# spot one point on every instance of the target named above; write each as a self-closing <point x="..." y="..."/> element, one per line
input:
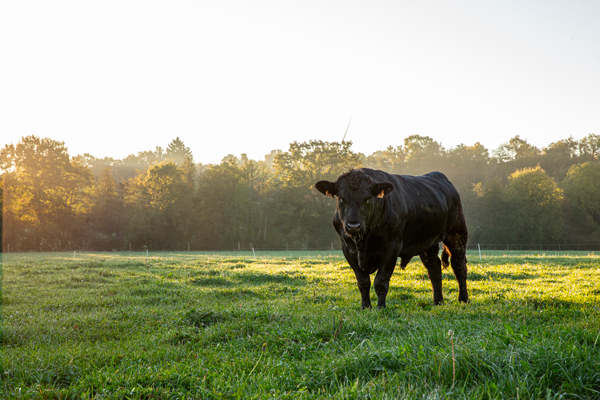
<point x="288" y="324"/>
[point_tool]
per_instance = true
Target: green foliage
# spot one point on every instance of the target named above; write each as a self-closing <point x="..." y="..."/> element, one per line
<point x="527" y="210"/>
<point x="516" y="149"/>
<point x="582" y="189"/>
<point x="535" y="206"/>
<point x="305" y="217"/>
<point x="161" y="214"/>
<point x="288" y="325"/>
<point x="234" y="204"/>
<point x="161" y="199"/>
<point x="469" y="165"/>
<point x="306" y="163"/>
<point x="391" y="159"/>
<point x="106" y="213"/>
<point x="419" y="148"/>
<point x="45" y="195"/>
<point x="489" y="213"/>
<point x="178" y="152"/>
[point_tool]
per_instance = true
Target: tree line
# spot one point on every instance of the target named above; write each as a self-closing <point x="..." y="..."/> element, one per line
<point x="163" y="200"/>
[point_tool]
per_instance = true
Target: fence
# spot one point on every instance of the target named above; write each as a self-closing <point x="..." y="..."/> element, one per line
<point x="337" y="247"/>
<point x="470" y="246"/>
<point x="536" y="247"/>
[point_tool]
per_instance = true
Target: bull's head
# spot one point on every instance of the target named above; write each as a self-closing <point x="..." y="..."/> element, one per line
<point x="355" y="192"/>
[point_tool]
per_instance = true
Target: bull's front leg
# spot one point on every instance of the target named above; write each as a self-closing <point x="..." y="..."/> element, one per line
<point x="434" y="269"/>
<point x="382" y="280"/>
<point x="363" y="280"/>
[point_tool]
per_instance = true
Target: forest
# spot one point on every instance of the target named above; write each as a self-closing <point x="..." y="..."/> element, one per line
<point x="162" y="200"/>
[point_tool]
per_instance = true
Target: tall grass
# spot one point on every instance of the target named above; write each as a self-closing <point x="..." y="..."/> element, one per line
<point x="288" y="325"/>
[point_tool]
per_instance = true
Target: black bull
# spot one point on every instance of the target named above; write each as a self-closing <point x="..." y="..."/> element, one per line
<point x="381" y="217"/>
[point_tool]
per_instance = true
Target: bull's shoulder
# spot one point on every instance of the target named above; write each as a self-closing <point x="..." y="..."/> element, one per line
<point x="377" y="174"/>
<point x="432" y="185"/>
<point x="429" y="178"/>
<point x="437" y="175"/>
<point x="382" y="176"/>
<point x="433" y="179"/>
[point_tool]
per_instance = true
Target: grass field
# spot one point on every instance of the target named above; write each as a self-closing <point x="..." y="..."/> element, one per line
<point x="288" y="325"/>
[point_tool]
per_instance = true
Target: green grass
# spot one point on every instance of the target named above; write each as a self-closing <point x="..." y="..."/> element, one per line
<point x="288" y="325"/>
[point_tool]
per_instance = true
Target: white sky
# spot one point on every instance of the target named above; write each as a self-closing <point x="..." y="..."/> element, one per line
<point x="112" y="78"/>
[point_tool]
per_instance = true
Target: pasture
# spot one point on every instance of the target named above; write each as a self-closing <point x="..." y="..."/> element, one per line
<point x="288" y="325"/>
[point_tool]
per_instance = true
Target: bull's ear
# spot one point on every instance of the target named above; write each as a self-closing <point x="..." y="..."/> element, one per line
<point x="327" y="188"/>
<point x="382" y="189"/>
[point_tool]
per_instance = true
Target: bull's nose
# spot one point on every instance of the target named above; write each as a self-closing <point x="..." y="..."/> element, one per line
<point x="353" y="227"/>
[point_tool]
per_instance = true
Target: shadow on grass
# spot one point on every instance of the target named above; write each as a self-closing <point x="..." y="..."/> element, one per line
<point x="212" y="278"/>
<point x="491" y="275"/>
<point x="257" y="278"/>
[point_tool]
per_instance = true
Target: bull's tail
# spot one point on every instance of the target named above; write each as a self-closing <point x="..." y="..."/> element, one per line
<point x="445" y="257"/>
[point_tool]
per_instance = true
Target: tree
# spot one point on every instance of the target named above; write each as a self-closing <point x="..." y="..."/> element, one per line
<point x="423" y="155"/>
<point x="257" y="201"/>
<point x="235" y="204"/>
<point x="1" y="211"/>
<point x="220" y="198"/>
<point x="178" y="152"/>
<point x="160" y="208"/>
<point x="589" y="147"/>
<point x="582" y="192"/>
<point x="417" y="147"/>
<point x="390" y="160"/>
<point x="535" y="203"/>
<point x="487" y="218"/>
<point x="304" y="216"/>
<point x="306" y="163"/>
<point x="106" y="213"/>
<point x="467" y="165"/>
<point x="559" y="156"/>
<point x="45" y="195"/>
<point x="516" y="149"/>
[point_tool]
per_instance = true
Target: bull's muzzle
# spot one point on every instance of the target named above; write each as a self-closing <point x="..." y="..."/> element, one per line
<point x="353" y="228"/>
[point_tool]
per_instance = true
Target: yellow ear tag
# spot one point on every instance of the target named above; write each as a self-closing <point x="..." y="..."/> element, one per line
<point x="380" y="195"/>
<point x="328" y="194"/>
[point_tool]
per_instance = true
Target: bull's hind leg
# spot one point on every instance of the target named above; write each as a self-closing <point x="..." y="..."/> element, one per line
<point x="432" y="262"/>
<point x="456" y="245"/>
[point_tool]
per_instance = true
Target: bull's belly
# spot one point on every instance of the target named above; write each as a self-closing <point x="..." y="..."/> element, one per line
<point x="415" y="249"/>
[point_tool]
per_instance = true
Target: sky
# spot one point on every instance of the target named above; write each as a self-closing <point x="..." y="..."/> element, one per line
<point x="112" y="78"/>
